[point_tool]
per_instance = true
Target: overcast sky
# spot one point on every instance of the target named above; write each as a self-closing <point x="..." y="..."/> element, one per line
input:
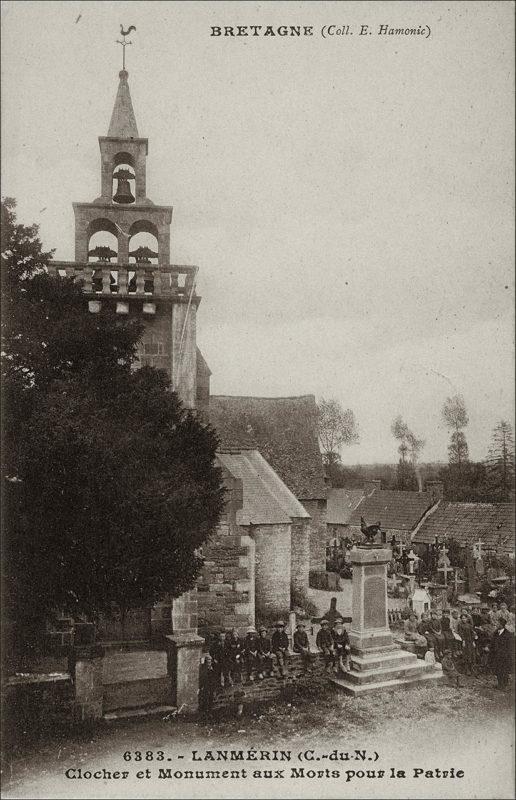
<point x="348" y="200"/>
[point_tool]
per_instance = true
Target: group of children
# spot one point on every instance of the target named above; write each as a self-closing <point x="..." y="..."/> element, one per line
<point x="259" y="653"/>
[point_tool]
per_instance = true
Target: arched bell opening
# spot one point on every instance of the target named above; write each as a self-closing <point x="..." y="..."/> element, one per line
<point x="143" y="253"/>
<point x="102" y="252"/>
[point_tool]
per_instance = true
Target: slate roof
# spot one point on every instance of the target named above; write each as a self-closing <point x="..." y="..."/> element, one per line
<point x="466" y="522"/>
<point x="283" y="429"/>
<point x="341" y="504"/>
<point x="266" y="499"/>
<point x="395" y="510"/>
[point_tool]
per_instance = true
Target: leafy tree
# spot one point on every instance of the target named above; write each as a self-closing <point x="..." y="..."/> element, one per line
<point x="465" y="483"/>
<point x="456" y="418"/>
<point x="108" y="484"/>
<point x="500" y="463"/>
<point x="336" y="427"/>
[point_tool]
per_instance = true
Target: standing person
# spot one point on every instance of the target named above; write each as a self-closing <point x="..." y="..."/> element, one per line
<point x="302" y="645"/>
<point x="449" y="639"/>
<point x="508" y="617"/>
<point x="468" y="636"/>
<point x="233" y="652"/>
<point x="501" y="653"/>
<point x="207" y="684"/>
<point x="324" y="642"/>
<point x="493" y="614"/>
<point x="264" y="652"/>
<point x="454" y="626"/>
<point x="251" y="653"/>
<point x="217" y="655"/>
<point x="341" y="646"/>
<point x="280" y="646"/>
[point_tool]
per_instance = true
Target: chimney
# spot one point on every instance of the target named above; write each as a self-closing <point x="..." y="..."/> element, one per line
<point x="370" y="486"/>
<point x="436" y="489"/>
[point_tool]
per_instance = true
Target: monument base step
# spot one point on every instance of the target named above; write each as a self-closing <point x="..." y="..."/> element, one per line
<point x="392" y="658"/>
<point x="382" y="674"/>
<point x="414" y="677"/>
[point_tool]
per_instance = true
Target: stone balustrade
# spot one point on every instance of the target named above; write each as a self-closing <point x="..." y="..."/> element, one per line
<point x="148" y="281"/>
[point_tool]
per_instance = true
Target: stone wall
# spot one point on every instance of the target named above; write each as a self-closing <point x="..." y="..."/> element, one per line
<point x="225" y="587"/>
<point x="317" y="511"/>
<point x="269" y="689"/>
<point x="300" y="555"/>
<point x="272" y="569"/>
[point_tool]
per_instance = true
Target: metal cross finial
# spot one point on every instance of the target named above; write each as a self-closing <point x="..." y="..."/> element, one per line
<point x="124" y="43"/>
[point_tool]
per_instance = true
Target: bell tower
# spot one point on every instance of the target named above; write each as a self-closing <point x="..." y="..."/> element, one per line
<point x="122" y="255"/>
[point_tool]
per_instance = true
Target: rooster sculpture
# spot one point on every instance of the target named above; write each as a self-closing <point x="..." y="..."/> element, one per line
<point x="128" y="31"/>
<point x="370" y="531"/>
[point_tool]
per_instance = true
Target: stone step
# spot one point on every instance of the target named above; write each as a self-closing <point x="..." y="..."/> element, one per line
<point x="396" y="658"/>
<point x="138" y="713"/>
<point x="391" y="673"/>
<point x="391" y="685"/>
<point x="134" y="666"/>
<point x="133" y="694"/>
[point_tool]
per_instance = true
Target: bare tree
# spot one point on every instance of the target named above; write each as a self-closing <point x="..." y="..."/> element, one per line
<point x="336" y="427"/>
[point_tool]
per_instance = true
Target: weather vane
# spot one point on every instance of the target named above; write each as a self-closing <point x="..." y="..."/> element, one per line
<point x="124" y="43"/>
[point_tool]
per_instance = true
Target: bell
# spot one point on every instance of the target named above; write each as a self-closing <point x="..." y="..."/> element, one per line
<point x="123" y="192"/>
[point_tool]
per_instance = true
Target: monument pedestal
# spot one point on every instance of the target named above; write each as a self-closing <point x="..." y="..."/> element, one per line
<point x="377" y="663"/>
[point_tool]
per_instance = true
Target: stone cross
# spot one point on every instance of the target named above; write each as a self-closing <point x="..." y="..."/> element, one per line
<point x="456" y="581"/>
<point x="477" y="549"/>
<point x="413" y="560"/>
<point x="445" y="569"/>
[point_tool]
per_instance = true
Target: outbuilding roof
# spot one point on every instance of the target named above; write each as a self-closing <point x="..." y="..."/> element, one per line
<point x="266" y="499"/>
<point x="492" y="523"/>
<point x="283" y="429"/>
<point x="341" y="504"/>
<point x="396" y="510"/>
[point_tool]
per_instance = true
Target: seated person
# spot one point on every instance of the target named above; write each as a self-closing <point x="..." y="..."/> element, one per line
<point x="251" y="653"/>
<point x="434" y="635"/>
<point x="280" y="646"/>
<point x="233" y="654"/>
<point x="341" y="646"/>
<point x="264" y="652"/>
<point x="411" y="632"/>
<point x="302" y="645"/>
<point x="324" y="642"/>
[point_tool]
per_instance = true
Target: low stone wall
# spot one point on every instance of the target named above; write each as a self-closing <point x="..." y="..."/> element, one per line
<point x="269" y="689"/>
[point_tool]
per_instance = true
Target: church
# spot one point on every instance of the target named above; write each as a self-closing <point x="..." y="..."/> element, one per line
<point x="258" y="560"/>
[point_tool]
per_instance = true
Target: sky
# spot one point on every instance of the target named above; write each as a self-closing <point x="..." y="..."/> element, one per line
<point x="348" y="200"/>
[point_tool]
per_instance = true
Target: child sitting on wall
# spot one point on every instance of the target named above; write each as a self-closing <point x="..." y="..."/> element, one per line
<point x="302" y="645"/>
<point x="324" y="642"/>
<point x="280" y="646"/>
<point x="264" y="653"/>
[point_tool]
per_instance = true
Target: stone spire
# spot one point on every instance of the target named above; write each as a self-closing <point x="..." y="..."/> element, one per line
<point x="123" y="122"/>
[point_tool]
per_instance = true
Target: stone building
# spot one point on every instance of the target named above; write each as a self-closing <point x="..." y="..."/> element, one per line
<point x="284" y="430"/>
<point x="122" y="257"/>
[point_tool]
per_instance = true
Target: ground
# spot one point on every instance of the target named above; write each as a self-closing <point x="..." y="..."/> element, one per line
<point x="439" y="726"/>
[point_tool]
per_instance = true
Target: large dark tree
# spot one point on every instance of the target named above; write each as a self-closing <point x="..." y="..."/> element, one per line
<point x="109" y="485"/>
